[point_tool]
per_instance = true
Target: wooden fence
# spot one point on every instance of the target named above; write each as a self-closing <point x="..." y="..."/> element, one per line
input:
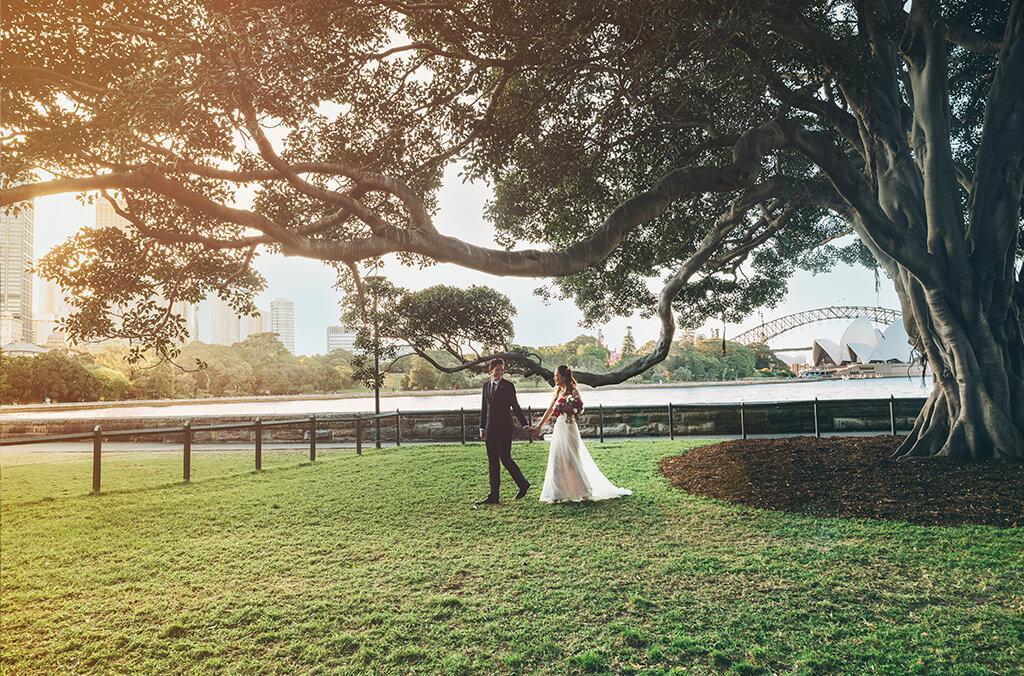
<point x="737" y="416"/>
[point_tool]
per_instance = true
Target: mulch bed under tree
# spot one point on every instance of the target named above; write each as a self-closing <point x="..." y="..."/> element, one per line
<point x="851" y="477"/>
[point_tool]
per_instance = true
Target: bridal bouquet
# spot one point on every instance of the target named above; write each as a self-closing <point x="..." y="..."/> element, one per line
<point x="569" y="406"/>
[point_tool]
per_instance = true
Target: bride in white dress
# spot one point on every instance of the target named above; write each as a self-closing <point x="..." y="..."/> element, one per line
<point x="572" y="475"/>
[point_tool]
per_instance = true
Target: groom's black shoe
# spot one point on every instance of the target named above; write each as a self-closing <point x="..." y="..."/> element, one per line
<point x="489" y="500"/>
<point x="522" y="491"/>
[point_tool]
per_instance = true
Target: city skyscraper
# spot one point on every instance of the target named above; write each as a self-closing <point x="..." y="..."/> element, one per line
<point x="282" y="321"/>
<point x="106" y="217"/>
<point x="50" y="307"/>
<point x="249" y="326"/>
<point x="16" y="240"/>
<point x="196" y="326"/>
<point x="224" y="324"/>
<point x="51" y="299"/>
<point x="188" y="313"/>
<point x="340" y="339"/>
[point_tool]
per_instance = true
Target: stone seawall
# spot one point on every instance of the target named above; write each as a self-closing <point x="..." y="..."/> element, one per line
<point x="851" y="415"/>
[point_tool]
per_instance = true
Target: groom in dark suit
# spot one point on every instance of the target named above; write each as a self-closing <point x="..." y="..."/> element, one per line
<point x="496" y="429"/>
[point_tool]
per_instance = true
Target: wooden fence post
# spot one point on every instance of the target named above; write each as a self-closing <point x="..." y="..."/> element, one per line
<point x="671" y="422"/>
<point x="743" y="420"/>
<point x="312" y="438"/>
<point x="817" y="429"/>
<point x="97" y="451"/>
<point x="359" y="434"/>
<point x="186" y="469"/>
<point x="258" y="433"/>
<point x="600" y="421"/>
<point x="892" y="414"/>
<point x="462" y="418"/>
<point x="398" y="427"/>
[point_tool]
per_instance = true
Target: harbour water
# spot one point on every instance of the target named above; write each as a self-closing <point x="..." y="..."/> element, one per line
<point x="793" y="390"/>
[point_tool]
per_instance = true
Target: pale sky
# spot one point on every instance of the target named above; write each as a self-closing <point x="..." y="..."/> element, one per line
<point x="309" y="283"/>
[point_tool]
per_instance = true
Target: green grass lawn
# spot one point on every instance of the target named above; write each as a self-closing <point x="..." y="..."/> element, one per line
<point x="379" y="564"/>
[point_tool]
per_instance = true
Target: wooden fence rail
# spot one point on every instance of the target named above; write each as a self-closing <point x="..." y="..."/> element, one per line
<point x="315" y="425"/>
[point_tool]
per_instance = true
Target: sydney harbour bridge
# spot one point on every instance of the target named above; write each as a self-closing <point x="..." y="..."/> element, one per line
<point x="776" y="327"/>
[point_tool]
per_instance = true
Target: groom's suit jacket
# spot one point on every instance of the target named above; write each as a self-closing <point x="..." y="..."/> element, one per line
<point x="497" y="407"/>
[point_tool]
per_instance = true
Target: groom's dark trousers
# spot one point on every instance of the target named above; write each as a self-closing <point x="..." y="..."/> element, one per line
<point x="496" y="408"/>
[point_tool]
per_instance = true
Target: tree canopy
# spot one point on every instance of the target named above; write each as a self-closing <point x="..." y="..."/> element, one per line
<point x="717" y="146"/>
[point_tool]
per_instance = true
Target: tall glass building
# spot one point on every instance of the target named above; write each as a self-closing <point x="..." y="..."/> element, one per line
<point x="17" y="229"/>
<point x="282" y="321"/>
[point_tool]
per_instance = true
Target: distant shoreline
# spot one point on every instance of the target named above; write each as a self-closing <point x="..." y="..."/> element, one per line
<point x="85" y="405"/>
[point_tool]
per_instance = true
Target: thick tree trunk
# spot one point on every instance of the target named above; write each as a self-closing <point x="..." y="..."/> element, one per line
<point x="959" y="307"/>
<point x="976" y="410"/>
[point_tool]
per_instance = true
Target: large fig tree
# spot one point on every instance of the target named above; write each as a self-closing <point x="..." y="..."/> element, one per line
<point x="717" y="145"/>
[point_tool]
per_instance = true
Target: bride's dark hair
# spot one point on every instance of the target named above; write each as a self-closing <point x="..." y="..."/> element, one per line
<point x="568" y="382"/>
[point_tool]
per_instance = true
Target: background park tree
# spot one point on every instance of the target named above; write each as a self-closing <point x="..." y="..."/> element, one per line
<point x="448" y="327"/>
<point x="628" y="352"/>
<point x="61" y="377"/>
<point x="766" y="360"/>
<point x="15" y="379"/>
<point x="113" y="384"/>
<point x="332" y="371"/>
<point x="422" y="375"/>
<point x="717" y="146"/>
<point x="591" y="357"/>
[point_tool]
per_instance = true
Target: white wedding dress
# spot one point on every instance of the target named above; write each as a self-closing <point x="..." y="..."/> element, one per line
<point x="572" y="475"/>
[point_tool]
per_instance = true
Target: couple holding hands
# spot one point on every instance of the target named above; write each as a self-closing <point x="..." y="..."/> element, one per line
<point x="571" y="475"/>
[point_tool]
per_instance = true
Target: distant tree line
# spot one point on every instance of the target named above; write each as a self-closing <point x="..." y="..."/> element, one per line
<point x="697" y="361"/>
<point x="701" y="361"/>
<point x="261" y="365"/>
<point x="258" y="365"/>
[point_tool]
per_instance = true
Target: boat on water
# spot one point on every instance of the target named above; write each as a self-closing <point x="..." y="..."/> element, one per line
<point x="869" y="370"/>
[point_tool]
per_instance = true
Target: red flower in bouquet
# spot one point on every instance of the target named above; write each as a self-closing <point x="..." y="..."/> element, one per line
<point x="569" y="406"/>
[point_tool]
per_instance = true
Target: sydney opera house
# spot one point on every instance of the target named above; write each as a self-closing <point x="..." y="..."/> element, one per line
<point x="865" y="352"/>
